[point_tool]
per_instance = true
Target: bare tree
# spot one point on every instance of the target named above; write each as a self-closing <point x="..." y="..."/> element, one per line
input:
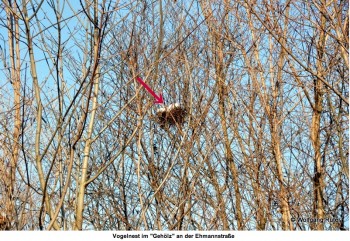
<point x="260" y="142"/>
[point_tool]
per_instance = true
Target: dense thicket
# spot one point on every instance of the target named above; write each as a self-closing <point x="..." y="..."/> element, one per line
<point x="264" y="85"/>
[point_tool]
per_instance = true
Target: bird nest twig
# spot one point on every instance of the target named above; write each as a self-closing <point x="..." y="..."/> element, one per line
<point x="170" y="116"/>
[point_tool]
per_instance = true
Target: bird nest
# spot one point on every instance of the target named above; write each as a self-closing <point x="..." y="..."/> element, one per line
<point x="172" y="115"/>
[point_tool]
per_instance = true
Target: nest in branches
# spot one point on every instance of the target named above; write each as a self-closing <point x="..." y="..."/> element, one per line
<point x="174" y="114"/>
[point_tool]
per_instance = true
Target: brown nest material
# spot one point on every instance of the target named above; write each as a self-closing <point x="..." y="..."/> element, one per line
<point x="171" y="115"/>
